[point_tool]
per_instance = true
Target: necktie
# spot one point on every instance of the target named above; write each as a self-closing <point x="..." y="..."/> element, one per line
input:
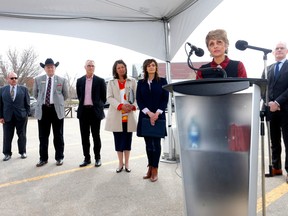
<point x="277" y="70"/>
<point x="12" y="93"/>
<point x="47" y="99"/>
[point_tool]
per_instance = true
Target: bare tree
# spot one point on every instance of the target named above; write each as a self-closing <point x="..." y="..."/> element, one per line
<point x="3" y="69"/>
<point x="23" y="63"/>
<point x="71" y="85"/>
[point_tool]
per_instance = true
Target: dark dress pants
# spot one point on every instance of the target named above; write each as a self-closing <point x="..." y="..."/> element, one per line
<point x="123" y="140"/>
<point x="89" y="121"/>
<point x="153" y="150"/>
<point x="8" y="134"/>
<point x="278" y="125"/>
<point x="49" y="117"/>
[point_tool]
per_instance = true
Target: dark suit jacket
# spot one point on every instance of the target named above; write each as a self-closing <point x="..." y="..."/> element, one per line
<point x="154" y="99"/>
<point x="20" y="107"/>
<point x="98" y="95"/>
<point x="278" y="89"/>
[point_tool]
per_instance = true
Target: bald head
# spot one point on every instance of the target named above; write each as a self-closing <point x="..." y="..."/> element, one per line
<point x="12" y="78"/>
<point x="280" y="51"/>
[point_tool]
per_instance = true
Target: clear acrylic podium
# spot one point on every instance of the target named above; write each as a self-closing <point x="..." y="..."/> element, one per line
<point x="220" y="171"/>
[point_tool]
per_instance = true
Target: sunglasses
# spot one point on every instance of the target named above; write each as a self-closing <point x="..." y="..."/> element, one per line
<point x="14" y="78"/>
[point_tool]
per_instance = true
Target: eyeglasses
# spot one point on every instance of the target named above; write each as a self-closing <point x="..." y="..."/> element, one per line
<point x="14" y="78"/>
<point x="279" y="48"/>
<point x="90" y="66"/>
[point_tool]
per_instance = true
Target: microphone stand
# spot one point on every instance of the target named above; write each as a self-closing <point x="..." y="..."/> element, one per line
<point x="268" y="118"/>
<point x="265" y="113"/>
<point x="189" y="62"/>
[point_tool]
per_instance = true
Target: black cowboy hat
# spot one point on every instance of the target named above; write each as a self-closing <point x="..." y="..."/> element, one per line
<point x="49" y="61"/>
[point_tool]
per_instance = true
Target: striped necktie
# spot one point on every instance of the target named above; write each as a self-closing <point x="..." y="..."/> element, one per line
<point x="48" y="91"/>
<point x="12" y="93"/>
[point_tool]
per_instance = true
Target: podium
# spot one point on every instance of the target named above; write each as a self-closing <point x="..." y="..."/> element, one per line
<point x="218" y="132"/>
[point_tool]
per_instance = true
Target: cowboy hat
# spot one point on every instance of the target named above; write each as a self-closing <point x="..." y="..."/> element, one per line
<point x="49" y="61"/>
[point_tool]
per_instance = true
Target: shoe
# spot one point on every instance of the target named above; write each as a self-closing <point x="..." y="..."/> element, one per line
<point x="23" y="156"/>
<point x="41" y="163"/>
<point x="7" y="157"/>
<point x="84" y="163"/>
<point x="154" y="174"/>
<point x="59" y="162"/>
<point x="98" y="163"/>
<point x="149" y="172"/>
<point x="118" y="170"/>
<point x="287" y="179"/>
<point x="276" y="172"/>
<point x="127" y="170"/>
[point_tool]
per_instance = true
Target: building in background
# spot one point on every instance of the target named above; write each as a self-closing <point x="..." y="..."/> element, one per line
<point x="179" y="70"/>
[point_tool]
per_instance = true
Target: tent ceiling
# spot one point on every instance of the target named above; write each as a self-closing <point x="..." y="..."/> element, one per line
<point x="134" y="24"/>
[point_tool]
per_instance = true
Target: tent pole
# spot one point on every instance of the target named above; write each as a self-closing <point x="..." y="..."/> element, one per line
<point x="171" y="157"/>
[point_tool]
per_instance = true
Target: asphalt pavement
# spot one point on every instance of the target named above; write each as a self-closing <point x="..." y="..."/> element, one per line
<point x="70" y="190"/>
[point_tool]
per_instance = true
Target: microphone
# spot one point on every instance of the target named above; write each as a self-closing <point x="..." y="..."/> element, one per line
<point x="242" y="45"/>
<point x="198" y="51"/>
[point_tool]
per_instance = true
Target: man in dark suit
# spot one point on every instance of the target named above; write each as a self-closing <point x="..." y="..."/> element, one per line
<point x="278" y="102"/>
<point x="51" y="91"/>
<point x="91" y="92"/>
<point x="14" y="111"/>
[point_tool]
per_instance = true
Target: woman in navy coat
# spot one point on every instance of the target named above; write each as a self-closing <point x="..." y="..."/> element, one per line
<point x="152" y="101"/>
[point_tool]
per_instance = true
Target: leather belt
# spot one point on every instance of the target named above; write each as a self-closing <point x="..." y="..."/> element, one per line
<point x="88" y="106"/>
<point x="49" y="106"/>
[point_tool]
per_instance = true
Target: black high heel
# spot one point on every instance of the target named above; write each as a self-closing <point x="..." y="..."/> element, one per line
<point x="118" y="170"/>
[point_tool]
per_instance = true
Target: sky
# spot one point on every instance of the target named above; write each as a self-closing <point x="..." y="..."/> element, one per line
<point x="261" y="23"/>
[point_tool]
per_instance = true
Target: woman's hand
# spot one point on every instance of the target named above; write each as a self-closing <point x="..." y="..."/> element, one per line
<point x="153" y="117"/>
<point x="127" y="108"/>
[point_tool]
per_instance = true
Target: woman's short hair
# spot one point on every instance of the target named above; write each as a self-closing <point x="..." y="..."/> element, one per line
<point x="218" y="34"/>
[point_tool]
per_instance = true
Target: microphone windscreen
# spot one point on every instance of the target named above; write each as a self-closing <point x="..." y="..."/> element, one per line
<point x="241" y="45"/>
<point x="199" y="52"/>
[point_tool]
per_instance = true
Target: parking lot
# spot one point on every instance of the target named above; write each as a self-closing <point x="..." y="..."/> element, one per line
<point x="69" y="190"/>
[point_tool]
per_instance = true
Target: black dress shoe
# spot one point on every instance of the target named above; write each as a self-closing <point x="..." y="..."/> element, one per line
<point x="118" y="170"/>
<point x="59" y="162"/>
<point x="41" y="163"/>
<point x="23" y="156"/>
<point x="84" y="163"/>
<point x="98" y="163"/>
<point x="7" y="157"/>
<point x="127" y="170"/>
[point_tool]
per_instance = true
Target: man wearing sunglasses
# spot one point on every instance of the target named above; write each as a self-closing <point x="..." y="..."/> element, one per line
<point x="14" y="110"/>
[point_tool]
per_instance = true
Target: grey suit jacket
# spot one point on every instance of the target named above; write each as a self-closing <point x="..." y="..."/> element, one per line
<point x="20" y="107"/>
<point x="59" y="91"/>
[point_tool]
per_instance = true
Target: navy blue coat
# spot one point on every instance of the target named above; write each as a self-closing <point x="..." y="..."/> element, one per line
<point x="20" y="107"/>
<point x="278" y="89"/>
<point x="153" y="99"/>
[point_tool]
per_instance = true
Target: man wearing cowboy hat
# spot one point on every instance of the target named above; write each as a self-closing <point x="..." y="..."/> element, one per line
<point x="50" y="91"/>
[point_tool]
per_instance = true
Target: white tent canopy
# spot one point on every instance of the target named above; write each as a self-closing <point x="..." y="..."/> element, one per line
<point x="153" y="27"/>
